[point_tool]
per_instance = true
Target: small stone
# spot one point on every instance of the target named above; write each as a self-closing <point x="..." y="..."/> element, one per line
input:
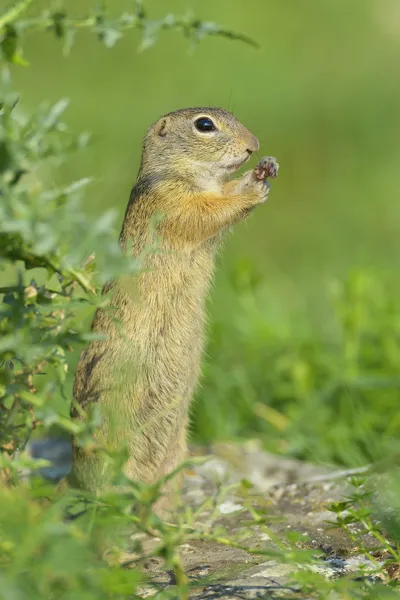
<point x="229" y="507"/>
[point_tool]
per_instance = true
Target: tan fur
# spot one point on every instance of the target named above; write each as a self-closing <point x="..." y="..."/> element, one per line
<point x="145" y="373"/>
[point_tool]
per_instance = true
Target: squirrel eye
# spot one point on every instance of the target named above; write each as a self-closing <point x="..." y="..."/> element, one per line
<point x="205" y="125"/>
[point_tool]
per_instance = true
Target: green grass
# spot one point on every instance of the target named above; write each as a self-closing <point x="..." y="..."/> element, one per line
<point x="329" y="396"/>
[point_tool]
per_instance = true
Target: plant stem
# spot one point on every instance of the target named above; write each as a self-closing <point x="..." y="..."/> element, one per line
<point x="14" y="12"/>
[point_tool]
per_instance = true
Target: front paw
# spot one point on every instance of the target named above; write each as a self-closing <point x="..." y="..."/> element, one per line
<point x="267" y="167"/>
<point x="263" y="188"/>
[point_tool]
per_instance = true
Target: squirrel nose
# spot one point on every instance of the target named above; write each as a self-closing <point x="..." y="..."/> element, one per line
<point x="253" y="144"/>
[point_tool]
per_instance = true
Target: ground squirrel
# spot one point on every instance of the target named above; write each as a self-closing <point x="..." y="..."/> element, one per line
<point x="144" y="373"/>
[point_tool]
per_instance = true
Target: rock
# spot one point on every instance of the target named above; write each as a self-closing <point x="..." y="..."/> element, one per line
<point x="289" y="496"/>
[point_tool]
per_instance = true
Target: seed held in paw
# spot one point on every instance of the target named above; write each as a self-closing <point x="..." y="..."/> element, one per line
<point x="267" y="167"/>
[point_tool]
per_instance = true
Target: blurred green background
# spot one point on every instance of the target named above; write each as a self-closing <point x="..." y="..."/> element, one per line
<point x="322" y="94"/>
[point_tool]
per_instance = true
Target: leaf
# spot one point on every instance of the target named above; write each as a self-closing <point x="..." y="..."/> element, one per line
<point x="31" y="399"/>
<point x="54" y="114"/>
<point x="59" y="23"/>
<point x="9" y="43"/>
<point x="9" y="342"/>
<point x="150" y="31"/>
<point x="338" y="507"/>
<point x="18" y="59"/>
<point x="208" y="28"/>
<point x="110" y="36"/>
<point x="69" y="39"/>
<point x="10" y="48"/>
<point x="77" y="185"/>
<point x="6" y="157"/>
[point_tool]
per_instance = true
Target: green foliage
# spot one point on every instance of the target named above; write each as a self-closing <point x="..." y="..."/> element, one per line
<point x="43" y="555"/>
<point x="356" y="515"/>
<point x="323" y="396"/>
<point x="108" y="29"/>
<point x="44" y="227"/>
<point x="50" y="553"/>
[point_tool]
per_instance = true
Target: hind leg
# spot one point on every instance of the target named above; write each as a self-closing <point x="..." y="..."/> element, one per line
<point x="165" y="506"/>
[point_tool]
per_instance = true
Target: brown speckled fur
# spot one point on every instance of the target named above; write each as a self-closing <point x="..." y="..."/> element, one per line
<point x="145" y="373"/>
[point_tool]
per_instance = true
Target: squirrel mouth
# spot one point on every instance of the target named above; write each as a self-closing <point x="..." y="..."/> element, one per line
<point x="234" y="166"/>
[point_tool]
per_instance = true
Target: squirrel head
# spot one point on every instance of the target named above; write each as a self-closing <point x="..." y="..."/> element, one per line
<point x="202" y="145"/>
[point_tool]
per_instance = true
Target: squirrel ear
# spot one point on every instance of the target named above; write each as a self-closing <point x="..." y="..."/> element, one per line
<point x="161" y="128"/>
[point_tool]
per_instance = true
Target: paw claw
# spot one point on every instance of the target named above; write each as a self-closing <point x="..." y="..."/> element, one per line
<point x="267" y="167"/>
